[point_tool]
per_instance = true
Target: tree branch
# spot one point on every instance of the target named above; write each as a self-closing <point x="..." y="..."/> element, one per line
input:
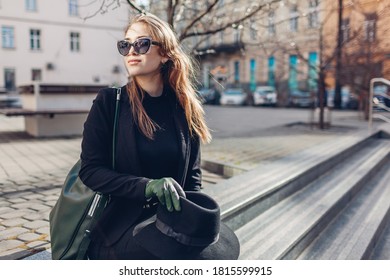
<point x="197" y="19"/>
<point x="185" y="35"/>
<point x="135" y="6"/>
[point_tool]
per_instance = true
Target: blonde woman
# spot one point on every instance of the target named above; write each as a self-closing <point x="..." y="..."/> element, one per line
<point x="161" y="125"/>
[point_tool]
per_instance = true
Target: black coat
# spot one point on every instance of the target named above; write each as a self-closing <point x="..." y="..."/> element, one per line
<point x="126" y="184"/>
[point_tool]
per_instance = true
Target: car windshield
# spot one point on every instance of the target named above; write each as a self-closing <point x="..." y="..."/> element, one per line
<point x="301" y="93"/>
<point x="233" y="92"/>
<point x="265" y="91"/>
<point x="204" y="91"/>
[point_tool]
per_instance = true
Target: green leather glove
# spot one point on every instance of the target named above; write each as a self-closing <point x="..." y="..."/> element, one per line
<point x="168" y="192"/>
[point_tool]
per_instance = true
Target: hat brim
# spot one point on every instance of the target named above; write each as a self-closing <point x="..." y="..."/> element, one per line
<point x="151" y="239"/>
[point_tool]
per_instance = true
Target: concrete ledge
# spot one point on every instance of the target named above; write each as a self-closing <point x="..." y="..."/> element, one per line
<point x="283" y="231"/>
<point x="222" y="169"/>
<point x="268" y="184"/>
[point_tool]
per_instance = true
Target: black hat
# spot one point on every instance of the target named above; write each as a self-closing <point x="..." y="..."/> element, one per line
<point x="195" y="232"/>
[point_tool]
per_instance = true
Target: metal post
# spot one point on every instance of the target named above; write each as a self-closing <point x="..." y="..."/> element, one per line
<point x="337" y="92"/>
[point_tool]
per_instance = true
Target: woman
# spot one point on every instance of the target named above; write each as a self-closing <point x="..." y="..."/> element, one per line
<point x="161" y="124"/>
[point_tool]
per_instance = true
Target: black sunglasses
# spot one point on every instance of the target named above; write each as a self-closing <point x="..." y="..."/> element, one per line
<point x="140" y="46"/>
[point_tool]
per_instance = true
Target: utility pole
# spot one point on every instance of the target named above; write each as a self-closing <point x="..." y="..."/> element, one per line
<point x="337" y="92"/>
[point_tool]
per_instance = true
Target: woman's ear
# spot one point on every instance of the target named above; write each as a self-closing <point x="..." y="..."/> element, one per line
<point x="164" y="60"/>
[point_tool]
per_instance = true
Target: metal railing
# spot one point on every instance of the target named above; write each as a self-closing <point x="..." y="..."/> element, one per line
<point x="374" y="101"/>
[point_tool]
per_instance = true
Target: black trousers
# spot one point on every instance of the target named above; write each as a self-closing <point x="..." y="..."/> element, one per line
<point x="125" y="248"/>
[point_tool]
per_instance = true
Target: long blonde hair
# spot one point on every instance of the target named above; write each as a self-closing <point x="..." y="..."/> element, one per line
<point x="178" y="72"/>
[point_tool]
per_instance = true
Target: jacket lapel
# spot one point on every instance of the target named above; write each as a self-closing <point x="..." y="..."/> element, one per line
<point x="182" y="136"/>
<point x="128" y="154"/>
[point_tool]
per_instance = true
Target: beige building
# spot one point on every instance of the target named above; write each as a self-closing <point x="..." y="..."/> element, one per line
<point x="365" y="43"/>
<point x="279" y="46"/>
<point x="63" y="42"/>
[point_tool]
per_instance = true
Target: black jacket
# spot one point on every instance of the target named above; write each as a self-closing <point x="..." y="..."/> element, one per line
<point x="126" y="184"/>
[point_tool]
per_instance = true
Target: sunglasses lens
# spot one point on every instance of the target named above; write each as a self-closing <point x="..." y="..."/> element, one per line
<point x="141" y="46"/>
<point x="123" y="47"/>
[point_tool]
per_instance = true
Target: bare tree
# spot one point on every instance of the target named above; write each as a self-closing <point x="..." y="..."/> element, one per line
<point x="193" y="18"/>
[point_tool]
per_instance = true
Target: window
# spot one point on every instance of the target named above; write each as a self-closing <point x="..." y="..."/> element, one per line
<point x="31" y="5"/>
<point x="293" y="73"/>
<point x="294" y="18"/>
<point x="207" y="42"/>
<point x="345" y="30"/>
<point x="312" y="79"/>
<point x="237" y="34"/>
<point x="74" y="41"/>
<point x="206" y="76"/>
<point x="253" y="29"/>
<point x="271" y="23"/>
<point x="221" y="37"/>
<point x="271" y="71"/>
<point x="313" y="14"/>
<point x="236" y="71"/>
<point x="73" y="8"/>
<point x="252" y="74"/>
<point x="36" y="75"/>
<point x="35" y="39"/>
<point x="9" y="79"/>
<point x="369" y="26"/>
<point x="7" y="37"/>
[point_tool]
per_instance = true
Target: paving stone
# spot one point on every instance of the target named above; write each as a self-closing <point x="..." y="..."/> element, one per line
<point x="38" y="244"/>
<point x="22" y="205"/>
<point x="4" y="209"/>
<point x="51" y="203"/>
<point x="17" y="197"/>
<point x="4" y="203"/>
<point x="24" y="187"/>
<point x="34" y="196"/>
<point x="10" y="253"/>
<point x="9" y="244"/>
<point x="44" y="230"/>
<point x="53" y="197"/>
<point x="40" y="207"/>
<point x="14" y="222"/>
<point x="35" y="216"/>
<point x="46" y="215"/>
<point x="29" y="236"/>
<point x="51" y="192"/>
<point x="12" y="232"/>
<point x="35" y="224"/>
<point x="15" y="214"/>
<point x="9" y="188"/>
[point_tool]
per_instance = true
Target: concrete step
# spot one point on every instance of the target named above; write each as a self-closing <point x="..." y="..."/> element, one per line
<point x="382" y="248"/>
<point x="287" y="227"/>
<point x="356" y="230"/>
<point x="243" y="197"/>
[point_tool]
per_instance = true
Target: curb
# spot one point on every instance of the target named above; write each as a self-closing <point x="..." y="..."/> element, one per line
<point x="222" y="169"/>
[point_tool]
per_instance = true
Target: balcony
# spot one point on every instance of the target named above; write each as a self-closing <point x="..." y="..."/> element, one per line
<point x="227" y="48"/>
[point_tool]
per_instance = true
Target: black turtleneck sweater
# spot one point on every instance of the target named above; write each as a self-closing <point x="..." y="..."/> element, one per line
<point x="159" y="157"/>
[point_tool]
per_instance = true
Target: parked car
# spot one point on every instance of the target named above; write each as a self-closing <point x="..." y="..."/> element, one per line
<point x="348" y="99"/>
<point x="208" y="96"/>
<point x="381" y="97"/>
<point x="234" y="96"/>
<point x="265" y="95"/>
<point x="299" y="98"/>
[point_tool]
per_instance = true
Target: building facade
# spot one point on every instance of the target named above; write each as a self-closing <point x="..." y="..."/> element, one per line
<point x="365" y="43"/>
<point x="66" y="42"/>
<point x="279" y="46"/>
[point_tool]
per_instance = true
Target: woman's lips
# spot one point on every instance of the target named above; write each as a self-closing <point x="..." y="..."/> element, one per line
<point x="133" y="61"/>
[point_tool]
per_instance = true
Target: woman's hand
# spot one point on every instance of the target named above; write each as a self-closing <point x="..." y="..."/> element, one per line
<point x="168" y="192"/>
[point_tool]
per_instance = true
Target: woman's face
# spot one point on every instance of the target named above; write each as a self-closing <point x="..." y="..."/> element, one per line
<point x="142" y="64"/>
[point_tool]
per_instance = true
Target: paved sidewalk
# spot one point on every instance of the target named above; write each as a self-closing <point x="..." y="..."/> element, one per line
<point x="32" y="171"/>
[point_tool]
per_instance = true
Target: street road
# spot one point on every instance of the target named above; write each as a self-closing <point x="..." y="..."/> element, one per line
<point x="243" y="121"/>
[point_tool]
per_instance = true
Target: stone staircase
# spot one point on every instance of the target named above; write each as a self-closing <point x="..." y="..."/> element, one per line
<point x="331" y="201"/>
